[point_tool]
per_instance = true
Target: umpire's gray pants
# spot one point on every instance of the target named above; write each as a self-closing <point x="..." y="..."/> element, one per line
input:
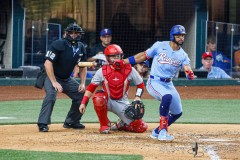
<point x="70" y="88"/>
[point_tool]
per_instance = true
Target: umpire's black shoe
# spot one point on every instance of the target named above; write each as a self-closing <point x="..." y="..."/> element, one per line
<point x="74" y="126"/>
<point x="43" y="127"/>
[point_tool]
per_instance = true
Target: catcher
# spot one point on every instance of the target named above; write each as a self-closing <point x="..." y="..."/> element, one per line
<point x="115" y="78"/>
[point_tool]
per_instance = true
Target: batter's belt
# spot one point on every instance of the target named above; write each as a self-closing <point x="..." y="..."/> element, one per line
<point x="161" y="79"/>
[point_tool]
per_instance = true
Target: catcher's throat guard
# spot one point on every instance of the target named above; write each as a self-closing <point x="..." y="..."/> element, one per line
<point x="135" y="110"/>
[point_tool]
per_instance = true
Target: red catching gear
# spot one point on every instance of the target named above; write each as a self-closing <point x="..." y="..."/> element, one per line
<point x="163" y="123"/>
<point x="85" y="100"/>
<point x="118" y="64"/>
<point x="190" y="75"/>
<point x="141" y="85"/>
<point x="137" y="126"/>
<point x="101" y="109"/>
<point x="116" y="83"/>
<point x="91" y="87"/>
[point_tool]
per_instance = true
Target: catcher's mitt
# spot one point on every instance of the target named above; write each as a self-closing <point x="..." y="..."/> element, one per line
<point x="135" y="110"/>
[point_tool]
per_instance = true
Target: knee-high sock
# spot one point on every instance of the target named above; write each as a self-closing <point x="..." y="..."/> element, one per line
<point x="173" y="117"/>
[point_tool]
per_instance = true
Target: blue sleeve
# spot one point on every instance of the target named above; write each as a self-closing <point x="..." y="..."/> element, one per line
<point x="186" y="60"/>
<point x="152" y="51"/>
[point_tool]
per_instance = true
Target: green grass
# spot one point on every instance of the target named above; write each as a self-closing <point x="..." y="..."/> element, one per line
<point x="37" y="155"/>
<point x="194" y="111"/>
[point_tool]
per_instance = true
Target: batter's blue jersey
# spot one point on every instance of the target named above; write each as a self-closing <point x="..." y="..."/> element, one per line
<point x="166" y="61"/>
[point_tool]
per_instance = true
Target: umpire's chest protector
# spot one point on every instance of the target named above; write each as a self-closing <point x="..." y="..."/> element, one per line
<point x="115" y="82"/>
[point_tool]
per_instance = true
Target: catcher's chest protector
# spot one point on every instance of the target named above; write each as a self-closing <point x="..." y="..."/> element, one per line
<point x="116" y="83"/>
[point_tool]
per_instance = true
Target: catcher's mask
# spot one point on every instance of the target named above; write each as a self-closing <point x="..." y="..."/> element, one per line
<point x="73" y="28"/>
<point x="113" y="52"/>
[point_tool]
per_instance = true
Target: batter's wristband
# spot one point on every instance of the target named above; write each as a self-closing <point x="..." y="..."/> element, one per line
<point x="85" y="100"/>
<point x="132" y="60"/>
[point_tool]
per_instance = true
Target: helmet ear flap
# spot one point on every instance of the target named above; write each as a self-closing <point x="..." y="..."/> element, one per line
<point x="171" y="37"/>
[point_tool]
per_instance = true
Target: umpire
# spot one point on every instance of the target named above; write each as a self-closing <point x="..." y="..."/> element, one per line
<point x="60" y="60"/>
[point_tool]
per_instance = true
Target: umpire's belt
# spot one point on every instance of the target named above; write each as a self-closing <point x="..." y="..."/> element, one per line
<point x="161" y="79"/>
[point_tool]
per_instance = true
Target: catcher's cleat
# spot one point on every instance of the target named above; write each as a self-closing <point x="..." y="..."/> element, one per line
<point x="154" y="135"/>
<point x="104" y="130"/>
<point x="117" y="126"/>
<point x="163" y="136"/>
<point x="114" y="127"/>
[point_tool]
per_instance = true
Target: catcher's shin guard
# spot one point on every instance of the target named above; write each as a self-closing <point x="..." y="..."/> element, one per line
<point x="163" y="123"/>
<point x="100" y="106"/>
<point x="137" y="126"/>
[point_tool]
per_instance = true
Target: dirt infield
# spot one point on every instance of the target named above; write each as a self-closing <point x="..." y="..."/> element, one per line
<point x="215" y="141"/>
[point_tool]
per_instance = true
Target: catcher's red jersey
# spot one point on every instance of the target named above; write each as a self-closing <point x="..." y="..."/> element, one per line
<point x="116" y="83"/>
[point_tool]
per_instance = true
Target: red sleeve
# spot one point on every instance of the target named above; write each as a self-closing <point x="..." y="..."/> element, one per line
<point x="92" y="87"/>
<point x="141" y="85"/>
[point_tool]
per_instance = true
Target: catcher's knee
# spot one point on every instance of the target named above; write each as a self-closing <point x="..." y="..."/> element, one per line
<point x="99" y="100"/>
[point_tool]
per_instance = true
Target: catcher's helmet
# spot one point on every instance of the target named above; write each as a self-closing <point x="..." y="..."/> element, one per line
<point x="177" y="29"/>
<point x="113" y="49"/>
<point x="73" y="27"/>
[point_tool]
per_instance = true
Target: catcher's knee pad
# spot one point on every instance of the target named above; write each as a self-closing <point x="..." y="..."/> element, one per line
<point x="137" y="126"/>
<point x="99" y="100"/>
<point x="100" y="106"/>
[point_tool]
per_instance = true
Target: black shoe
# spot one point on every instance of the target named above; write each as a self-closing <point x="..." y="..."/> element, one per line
<point x="74" y="126"/>
<point x="43" y="127"/>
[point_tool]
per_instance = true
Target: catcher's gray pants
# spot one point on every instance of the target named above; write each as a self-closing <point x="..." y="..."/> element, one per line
<point x="118" y="107"/>
<point x="70" y="88"/>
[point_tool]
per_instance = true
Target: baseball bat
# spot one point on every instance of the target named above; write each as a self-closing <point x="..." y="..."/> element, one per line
<point x="86" y="64"/>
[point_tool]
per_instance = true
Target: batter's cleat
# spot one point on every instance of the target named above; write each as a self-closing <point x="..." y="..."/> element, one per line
<point x="104" y="130"/>
<point x="43" y="127"/>
<point x="74" y="126"/>
<point x="163" y="136"/>
<point x="154" y="135"/>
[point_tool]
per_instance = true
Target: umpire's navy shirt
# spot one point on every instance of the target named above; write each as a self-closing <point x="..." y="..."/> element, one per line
<point x="65" y="57"/>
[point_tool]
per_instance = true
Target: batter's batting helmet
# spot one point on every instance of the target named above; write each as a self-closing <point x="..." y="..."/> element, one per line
<point x="177" y="29"/>
<point x="73" y="27"/>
